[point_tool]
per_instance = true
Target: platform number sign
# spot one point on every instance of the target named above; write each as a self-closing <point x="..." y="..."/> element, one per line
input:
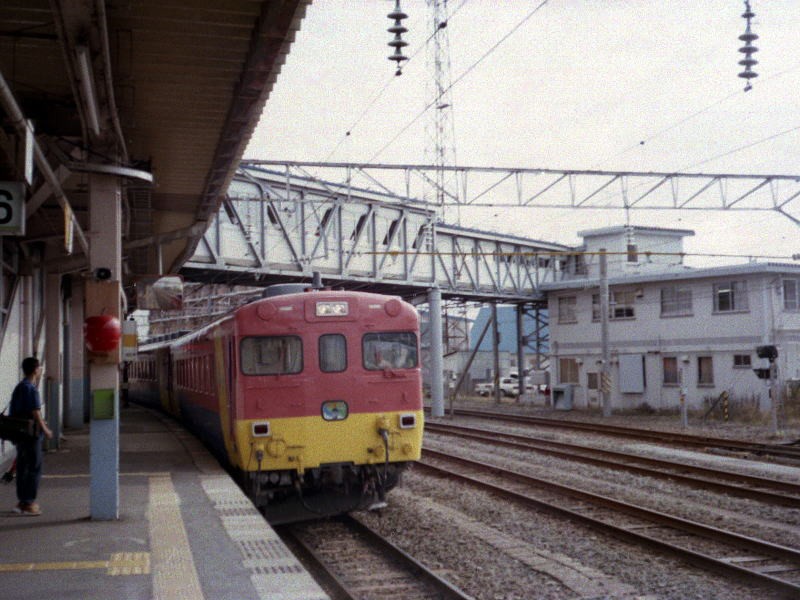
<point x="12" y="208"/>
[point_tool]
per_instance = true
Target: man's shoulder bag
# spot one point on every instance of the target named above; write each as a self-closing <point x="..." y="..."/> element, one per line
<point x="17" y="430"/>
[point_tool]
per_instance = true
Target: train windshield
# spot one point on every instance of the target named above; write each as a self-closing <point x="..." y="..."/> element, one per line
<point x="332" y="353"/>
<point x="273" y="355"/>
<point x="395" y="350"/>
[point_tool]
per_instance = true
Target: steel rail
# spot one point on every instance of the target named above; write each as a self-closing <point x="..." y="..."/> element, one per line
<point x="765" y="549"/>
<point x="621" y="460"/>
<point x="775" y="450"/>
<point x="316" y="565"/>
<point x="443" y="588"/>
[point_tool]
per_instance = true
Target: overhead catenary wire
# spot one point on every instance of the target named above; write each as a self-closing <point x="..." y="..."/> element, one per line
<point x="692" y="116"/>
<point x="743" y="147"/>
<point x="389" y="81"/>
<point x="466" y="72"/>
<point x="383" y="89"/>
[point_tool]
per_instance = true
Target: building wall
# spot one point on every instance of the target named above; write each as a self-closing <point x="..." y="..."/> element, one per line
<point x="701" y="332"/>
<point x="665" y="249"/>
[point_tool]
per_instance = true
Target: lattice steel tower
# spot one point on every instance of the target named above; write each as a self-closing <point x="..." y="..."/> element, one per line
<point x="439" y="127"/>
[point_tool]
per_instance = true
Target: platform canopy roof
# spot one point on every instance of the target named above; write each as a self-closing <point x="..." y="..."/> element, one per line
<point x="163" y="93"/>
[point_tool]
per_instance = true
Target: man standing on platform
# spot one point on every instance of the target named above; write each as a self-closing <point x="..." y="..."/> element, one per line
<point x="26" y="404"/>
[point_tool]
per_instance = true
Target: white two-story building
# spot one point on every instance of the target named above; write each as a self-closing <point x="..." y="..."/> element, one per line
<point x="670" y="327"/>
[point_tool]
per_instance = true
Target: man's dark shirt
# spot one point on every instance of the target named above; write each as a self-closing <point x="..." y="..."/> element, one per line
<point x="24" y="400"/>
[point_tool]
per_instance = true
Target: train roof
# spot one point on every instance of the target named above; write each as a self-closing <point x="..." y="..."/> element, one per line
<point x="288" y="292"/>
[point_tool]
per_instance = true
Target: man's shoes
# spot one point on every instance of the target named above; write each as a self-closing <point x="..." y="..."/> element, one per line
<point x="31" y="510"/>
<point x="28" y="510"/>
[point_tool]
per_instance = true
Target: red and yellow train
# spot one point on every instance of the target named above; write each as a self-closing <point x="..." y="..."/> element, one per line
<point x="312" y="398"/>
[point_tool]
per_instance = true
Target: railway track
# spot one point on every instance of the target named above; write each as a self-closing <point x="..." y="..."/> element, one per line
<point x="762" y="563"/>
<point x="747" y="486"/>
<point x="789" y="451"/>
<point x="356" y="563"/>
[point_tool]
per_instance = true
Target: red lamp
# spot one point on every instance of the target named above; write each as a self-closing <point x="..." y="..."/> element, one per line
<point x="102" y="333"/>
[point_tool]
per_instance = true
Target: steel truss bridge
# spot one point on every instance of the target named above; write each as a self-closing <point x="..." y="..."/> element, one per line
<point x="275" y="227"/>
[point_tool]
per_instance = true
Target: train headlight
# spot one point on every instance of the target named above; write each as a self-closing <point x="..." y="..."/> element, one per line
<point x="334" y="410"/>
<point x="261" y="429"/>
<point x="332" y="309"/>
<point x="408" y="421"/>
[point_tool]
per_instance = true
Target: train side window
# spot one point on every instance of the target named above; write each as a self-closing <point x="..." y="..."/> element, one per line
<point x="273" y="355"/>
<point x="332" y="353"/>
<point x="389" y="350"/>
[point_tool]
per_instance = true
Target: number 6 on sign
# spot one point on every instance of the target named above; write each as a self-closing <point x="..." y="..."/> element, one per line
<point x="12" y="208"/>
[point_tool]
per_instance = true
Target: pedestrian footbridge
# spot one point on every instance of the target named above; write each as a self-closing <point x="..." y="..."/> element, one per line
<point x="275" y="227"/>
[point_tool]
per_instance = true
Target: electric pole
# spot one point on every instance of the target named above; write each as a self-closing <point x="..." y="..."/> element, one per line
<point x="605" y="373"/>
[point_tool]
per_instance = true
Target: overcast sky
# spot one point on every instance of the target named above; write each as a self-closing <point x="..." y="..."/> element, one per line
<point x="580" y="85"/>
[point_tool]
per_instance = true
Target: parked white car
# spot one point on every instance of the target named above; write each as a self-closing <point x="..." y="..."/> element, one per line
<point x="508" y="387"/>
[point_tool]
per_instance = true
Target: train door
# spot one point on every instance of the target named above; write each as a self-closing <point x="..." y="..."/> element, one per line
<point x="223" y="371"/>
<point x="232" y="394"/>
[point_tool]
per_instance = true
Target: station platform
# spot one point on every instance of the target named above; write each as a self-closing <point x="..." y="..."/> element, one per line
<point x="185" y="530"/>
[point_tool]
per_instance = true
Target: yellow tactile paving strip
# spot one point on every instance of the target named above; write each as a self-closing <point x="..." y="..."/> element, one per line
<point x="120" y="563"/>
<point x="170" y="560"/>
<point x="174" y="573"/>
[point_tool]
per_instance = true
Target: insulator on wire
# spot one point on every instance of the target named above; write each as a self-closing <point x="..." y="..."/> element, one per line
<point x="398" y="30"/>
<point x="748" y="37"/>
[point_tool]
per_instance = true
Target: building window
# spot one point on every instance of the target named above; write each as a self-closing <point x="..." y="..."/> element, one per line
<point x="676" y="301"/>
<point x="362" y="221"/>
<point x="730" y="296"/>
<point x="705" y="370"/>
<point x="791" y="294"/>
<point x="566" y="309"/>
<point x="389" y="237"/>
<point x="741" y="361"/>
<point x="670" y="368"/>
<point x="567" y="370"/>
<point x="633" y="253"/>
<point x="620" y="305"/>
<point x="593" y="381"/>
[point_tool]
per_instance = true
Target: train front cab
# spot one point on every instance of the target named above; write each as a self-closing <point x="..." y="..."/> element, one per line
<point x="328" y="400"/>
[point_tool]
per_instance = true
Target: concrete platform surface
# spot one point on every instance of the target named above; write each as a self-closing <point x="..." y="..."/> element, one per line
<point x="185" y="529"/>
